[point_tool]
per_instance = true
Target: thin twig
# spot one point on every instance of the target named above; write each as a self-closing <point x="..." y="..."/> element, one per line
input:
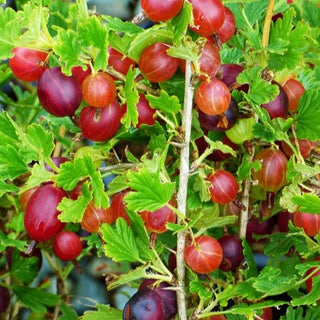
<point x="183" y="186"/>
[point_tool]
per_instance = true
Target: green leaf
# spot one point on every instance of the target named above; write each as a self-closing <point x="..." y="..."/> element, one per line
<point x="141" y="236"/>
<point x="120" y="244"/>
<point x="67" y="312"/>
<point x="308" y="117"/>
<point x="309" y="203"/>
<point x="38" y="174"/>
<point x="260" y="91"/>
<point x="116" y="24"/>
<point x="35" y="299"/>
<point x="165" y="103"/>
<point x="157" y="142"/>
<point x="72" y="172"/>
<point x="179" y="24"/>
<point x="10" y="30"/>
<point x="311" y="297"/>
<point x="16" y="223"/>
<point x="102" y="312"/>
<point x="9" y="241"/>
<point x="11" y="164"/>
<point x="286" y="201"/>
<point x="135" y="274"/>
<point x="246" y="167"/>
<point x="132" y="99"/>
<point x="6" y="188"/>
<point x="278" y="245"/>
<point x="293" y="42"/>
<point x="92" y="26"/>
<point x="119" y="183"/>
<point x="8" y="133"/>
<point x="204" y="292"/>
<point x="272" y="282"/>
<point x="252" y="270"/>
<point x="68" y="48"/>
<point x="24" y="268"/>
<point x="73" y="210"/>
<point x="40" y="140"/>
<point x="148" y="191"/>
<point x="311" y="13"/>
<point x="201" y="185"/>
<point x="146" y="39"/>
<point x="293" y="314"/>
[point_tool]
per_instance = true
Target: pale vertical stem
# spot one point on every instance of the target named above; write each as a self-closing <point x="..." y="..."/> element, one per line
<point x="267" y="22"/>
<point x="244" y="215"/>
<point x="183" y="186"/>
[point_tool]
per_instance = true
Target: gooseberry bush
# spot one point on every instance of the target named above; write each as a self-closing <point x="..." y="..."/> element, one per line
<point x="182" y="151"/>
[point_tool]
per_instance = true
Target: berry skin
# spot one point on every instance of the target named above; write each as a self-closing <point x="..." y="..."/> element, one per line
<point x="224" y="186"/>
<point x="99" y="90"/>
<point x="59" y="94"/>
<point x="41" y="214"/>
<point x="213" y="97"/>
<point x="226" y="31"/>
<point x="161" y="10"/>
<point x="27" y="64"/>
<point x="204" y="255"/>
<point x="272" y="175"/>
<point x="67" y="245"/>
<point x="309" y="222"/>
<point x="119" y="62"/>
<point x="4" y="299"/>
<point x="156" y="65"/>
<point x="208" y="16"/>
<point x="144" y="305"/>
<point x="100" y="124"/>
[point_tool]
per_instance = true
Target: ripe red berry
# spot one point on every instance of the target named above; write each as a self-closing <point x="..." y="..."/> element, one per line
<point x="119" y="62"/>
<point x="226" y="31"/>
<point x="213" y="97"/>
<point x="93" y="217"/>
<point x="99" y="90"/>
<point x="309" y="222"/>
<point x="67" y="245"/>
<point x="294" y="90"/>
<point x="80" y="74"/>
<point x="101" y="124"/>
<point x="41" y="214"/>
<point x="118" y="207"/>
<point x="305" y="147"/>
<point x="272" y="175"/>
<point x="59" y="94"/>
<point x="208" y="16"/>
<point x="309" y="281"/>
<point x="156" y="65"/>
<point x="155" y="221"/>
<point x="161" y="10"/>
<point x="209" y="61"/>
<point x="204" y="255"/>
<point x="224" y="186"/>
<point x="27" y="64"/>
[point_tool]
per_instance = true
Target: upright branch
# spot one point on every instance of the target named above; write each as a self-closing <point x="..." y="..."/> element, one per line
<point x="183" y="186"/>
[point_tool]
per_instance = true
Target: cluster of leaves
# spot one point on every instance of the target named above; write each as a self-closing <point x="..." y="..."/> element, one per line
<point x="28" y="136"/>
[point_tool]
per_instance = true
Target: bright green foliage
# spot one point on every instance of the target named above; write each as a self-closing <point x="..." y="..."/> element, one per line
<point x="147" y="161"/>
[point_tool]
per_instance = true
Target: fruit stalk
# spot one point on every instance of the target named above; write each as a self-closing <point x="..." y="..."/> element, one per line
<point x="183" y="184"/>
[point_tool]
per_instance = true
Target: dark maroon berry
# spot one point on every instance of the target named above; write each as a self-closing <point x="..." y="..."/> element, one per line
<point x="167" y="295"/>
<point x="232" y="252"/>
<point x="4" y="299"/>
<point x="278" y="108"/>
<point x="59" y="94"/>
<point x="217" y="122"/>
<point x="144" y="305"/>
